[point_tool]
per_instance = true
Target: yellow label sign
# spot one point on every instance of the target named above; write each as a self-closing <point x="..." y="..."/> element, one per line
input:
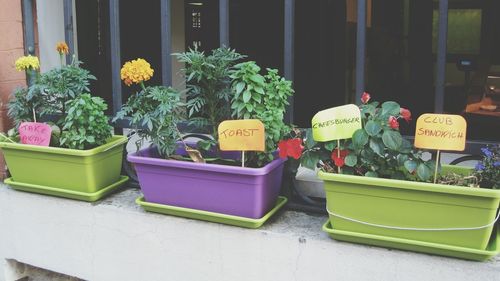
<point x="336" y="123"/>
<point x="441" y="132"/>
<point x="242" y="135"/>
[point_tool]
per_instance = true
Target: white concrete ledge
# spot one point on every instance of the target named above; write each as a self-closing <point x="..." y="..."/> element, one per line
<point x="116" y="240"/>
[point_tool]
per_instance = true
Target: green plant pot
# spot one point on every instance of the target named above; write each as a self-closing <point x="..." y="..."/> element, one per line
<point x="416" y="211"/>
<point x="84" y="171"/>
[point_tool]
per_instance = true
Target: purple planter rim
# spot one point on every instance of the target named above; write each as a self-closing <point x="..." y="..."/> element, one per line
<point x="136" y="157"/>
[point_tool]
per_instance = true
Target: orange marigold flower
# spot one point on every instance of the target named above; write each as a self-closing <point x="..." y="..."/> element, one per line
<point x="62" y="48"/>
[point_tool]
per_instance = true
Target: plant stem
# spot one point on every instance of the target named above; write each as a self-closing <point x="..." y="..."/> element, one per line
<point x="338" y="152"/>
<point x="62" y="59"/>
<point x="437" y="165"/>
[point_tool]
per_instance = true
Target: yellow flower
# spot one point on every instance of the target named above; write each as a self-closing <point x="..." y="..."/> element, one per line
<point x="27" y="62"/>
<point x="62" y="48"/>
<point x="136" y="71"/>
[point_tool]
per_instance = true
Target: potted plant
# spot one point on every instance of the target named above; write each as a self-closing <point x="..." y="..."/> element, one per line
<point x="218" y="89"/>
<point x="383" y="194"/>
<point x="83" y="159"/>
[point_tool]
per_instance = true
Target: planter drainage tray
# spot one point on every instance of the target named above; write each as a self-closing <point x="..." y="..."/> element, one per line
<point x="211" y="216"/>
<point x="78" y="195"/>
<point x="491" y="250"/>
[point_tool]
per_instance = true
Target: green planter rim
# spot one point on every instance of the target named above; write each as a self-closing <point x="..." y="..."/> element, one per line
<point x="412" y="185"/>
<point x="112" y="142"/>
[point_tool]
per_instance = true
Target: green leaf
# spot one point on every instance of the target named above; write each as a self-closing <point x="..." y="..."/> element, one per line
<point x="390" y="108"/>
<point x="368" y="109"/>
<point x="377" y="146"/>
<point x="392" y="139"/>
<point x="331" y="145"/>
<point x="257" y="78"/>
<point x="402" y="158"/>
<point x="373" y="128"/>
<point x="260" y="90"/>
<point x="359" y="138"/>
<point x="367" y="155"/>
<point x="309" y="159"/>
<point x="423" y="172"/>
<point x="406" y="146"/>
<point x="410" y="165"/>
<point x="204" y="145"/>
<point x="351" y="160"/>
<point x="246" y="96"/>
<point x="371" y="174"/>
<point x="239" y="87"/>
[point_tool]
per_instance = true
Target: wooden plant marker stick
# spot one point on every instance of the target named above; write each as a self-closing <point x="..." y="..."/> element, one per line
<point x="243" y="158"/>
<point x="437" y="165"/>
<point x="34" y="115"/>
<point x="338" y="152"/>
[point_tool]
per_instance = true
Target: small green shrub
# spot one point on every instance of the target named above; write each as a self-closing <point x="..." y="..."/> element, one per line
<point x="154" y="113"/>
<point x="85" y="125"/>
<point x="264" y="98"/>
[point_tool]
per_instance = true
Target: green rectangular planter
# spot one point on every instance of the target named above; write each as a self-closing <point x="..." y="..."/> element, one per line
<point x="86" y="171"/>
<point x="403" y="209"/>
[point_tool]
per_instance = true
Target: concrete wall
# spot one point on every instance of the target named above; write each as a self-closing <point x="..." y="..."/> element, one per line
<point x="11" y="47"/>
<point x="114" y="239"/>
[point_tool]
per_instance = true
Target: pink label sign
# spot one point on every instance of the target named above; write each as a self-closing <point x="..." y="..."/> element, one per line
<point x="35" y="133"/>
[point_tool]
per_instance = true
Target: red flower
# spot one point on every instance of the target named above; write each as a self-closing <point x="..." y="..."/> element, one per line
<point x="365" y="98"/>
<point x="339" y="161"/>
<point x="393" y="122"/>
<point x="291" y="148"/>
<point x="405" y="113"/>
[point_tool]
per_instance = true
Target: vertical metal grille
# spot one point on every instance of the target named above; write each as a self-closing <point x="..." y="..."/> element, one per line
<point x="68" y="28"/>
<point x="114" y="26"/>
<point x="360" y="49"/>
<point x="289" y="52"/>
<point x="166" y="42"/>
<point x="441" y="56"/>
<point x="224" y="23"/>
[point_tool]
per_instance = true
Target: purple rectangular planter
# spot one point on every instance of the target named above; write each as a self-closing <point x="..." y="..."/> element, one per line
<point x="238" y="191"/>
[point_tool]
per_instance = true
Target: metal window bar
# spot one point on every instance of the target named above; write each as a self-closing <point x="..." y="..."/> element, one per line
<point x="289" y="52"/>
<point x="224" y="23"/>
<point x="441" y="56"/>
<point x="68" y="28"/>
<point x="360" y="50"/>
<point x="115" y="50"/>
<point x="29" y="32"/>
<point x="166" y="42"/>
